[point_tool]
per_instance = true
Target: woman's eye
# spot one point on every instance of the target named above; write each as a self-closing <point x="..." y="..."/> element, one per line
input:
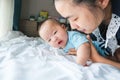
<point x="74" y="19"/>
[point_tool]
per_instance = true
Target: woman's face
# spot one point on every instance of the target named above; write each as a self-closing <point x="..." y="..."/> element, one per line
<point x="80" y="16"/>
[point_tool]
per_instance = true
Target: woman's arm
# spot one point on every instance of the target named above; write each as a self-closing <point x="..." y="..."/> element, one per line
<point x="117" y="54"/>
<point x="97" y="58"/>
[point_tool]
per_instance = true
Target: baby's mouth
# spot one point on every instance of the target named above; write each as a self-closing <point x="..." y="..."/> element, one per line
<point x="60" y="42"/>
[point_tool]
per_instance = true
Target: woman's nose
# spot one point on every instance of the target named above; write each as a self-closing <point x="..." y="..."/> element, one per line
<point x="74" y="26"/>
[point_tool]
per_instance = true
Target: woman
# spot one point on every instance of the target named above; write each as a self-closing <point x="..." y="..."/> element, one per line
<point x="86" y="16"/>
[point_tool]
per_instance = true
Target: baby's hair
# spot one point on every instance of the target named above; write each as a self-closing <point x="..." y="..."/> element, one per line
<point x="42" y="22"/>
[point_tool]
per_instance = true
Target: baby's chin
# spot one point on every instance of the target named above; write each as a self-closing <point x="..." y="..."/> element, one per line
<point x="56" y="47"/>
<point x="60" y="48"/>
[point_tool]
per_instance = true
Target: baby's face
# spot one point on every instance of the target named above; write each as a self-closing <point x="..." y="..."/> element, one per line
<point x="54" y="34"/>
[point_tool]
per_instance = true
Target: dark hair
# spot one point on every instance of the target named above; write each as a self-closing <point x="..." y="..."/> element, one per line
<point x="40" y="23"/>
<point x="86" y="1"/>
<point x="89" y="2"/>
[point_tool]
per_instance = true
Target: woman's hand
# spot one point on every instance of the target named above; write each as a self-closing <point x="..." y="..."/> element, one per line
<point x="94" y="54"/>
<point x="117" y="54"/>
<point x="97" y="58"/>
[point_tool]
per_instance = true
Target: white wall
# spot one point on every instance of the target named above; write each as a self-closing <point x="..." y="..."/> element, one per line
<point x="6" y="16"/>
<point x="33" y="7"/>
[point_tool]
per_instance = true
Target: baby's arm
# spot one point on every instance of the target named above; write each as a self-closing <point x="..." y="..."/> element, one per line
<point x="83" y="53"/>
<point x="72" y="51"/>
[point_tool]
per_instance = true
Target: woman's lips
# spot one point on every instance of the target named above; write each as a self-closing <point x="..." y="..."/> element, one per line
<point x="83" y="30"/>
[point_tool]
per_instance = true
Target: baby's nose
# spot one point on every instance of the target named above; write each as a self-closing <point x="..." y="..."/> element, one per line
<point x="54" y="38"/>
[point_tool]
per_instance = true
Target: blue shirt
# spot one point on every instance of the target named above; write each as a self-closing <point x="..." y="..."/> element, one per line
<point x="75" y="39"/>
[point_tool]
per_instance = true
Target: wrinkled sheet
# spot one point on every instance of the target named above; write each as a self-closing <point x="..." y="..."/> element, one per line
<point x="28" y="58"/>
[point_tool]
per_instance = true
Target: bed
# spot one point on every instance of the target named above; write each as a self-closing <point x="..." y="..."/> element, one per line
<point x="28" y="58"/>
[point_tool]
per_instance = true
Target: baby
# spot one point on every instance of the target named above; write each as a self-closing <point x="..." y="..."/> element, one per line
<point x="55" y="34"/>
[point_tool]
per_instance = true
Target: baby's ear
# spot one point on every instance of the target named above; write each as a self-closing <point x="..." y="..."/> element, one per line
<point x="64" y="27"/>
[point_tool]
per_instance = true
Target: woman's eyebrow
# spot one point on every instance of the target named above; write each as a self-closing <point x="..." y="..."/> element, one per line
<point x="68" y="17"/>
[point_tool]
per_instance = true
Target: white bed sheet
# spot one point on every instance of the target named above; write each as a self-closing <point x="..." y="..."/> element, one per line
<point x="27" y="58"/>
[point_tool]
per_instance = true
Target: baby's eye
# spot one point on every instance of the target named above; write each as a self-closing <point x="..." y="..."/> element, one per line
<point x="55" y="32"/>
<point x="49" y="40"/>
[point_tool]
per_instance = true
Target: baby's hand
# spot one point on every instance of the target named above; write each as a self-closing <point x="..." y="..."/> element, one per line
<point x="72" y="51"/>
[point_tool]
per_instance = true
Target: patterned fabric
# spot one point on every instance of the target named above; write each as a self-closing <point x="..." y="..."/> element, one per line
<point x="110" y="44"/>
<point x="113" y="27"/>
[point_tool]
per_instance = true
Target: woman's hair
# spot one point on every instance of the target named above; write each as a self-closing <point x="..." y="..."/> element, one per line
<point x="84" y="1"/>
<point x="92" y="6"/>
<point x="77" y="2"/>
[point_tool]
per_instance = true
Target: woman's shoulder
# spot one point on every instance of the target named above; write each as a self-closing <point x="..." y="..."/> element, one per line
<point x="116" y="7"/>
<point x="114" y="28"/>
